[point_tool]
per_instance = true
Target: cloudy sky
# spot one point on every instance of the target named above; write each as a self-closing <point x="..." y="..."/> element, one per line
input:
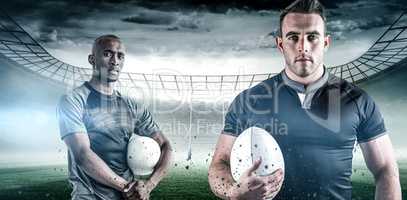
<point x="195" y="37"/>
<point x="187" y="36"/>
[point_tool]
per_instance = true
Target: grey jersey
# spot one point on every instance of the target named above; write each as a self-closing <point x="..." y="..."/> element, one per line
<point x="109" y="121"/>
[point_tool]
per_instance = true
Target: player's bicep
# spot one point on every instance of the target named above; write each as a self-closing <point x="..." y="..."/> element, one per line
<point x="77" y="143"/>
<point x="378" y="154"/>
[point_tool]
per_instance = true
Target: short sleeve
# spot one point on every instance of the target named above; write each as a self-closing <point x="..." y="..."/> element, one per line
<point x="234" y="118"/>
<point x="145" y="124"/>
<point x="371" y="123"/>
<point x="69" y="113"/>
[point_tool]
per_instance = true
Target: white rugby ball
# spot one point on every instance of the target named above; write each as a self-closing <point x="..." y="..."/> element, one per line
<point x="252" y="144"/>
<point x="143" y="154"/>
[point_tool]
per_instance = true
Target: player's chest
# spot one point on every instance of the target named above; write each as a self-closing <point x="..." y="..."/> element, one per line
<point x="324" y="124"/>
<point x="108" y="117"/>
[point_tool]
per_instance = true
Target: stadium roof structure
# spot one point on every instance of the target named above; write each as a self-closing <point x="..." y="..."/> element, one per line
<point x="18" y="46"/>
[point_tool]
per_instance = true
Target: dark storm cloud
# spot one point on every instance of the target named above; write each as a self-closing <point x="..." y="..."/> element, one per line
<point x="223" y="6"/>
<point x="45" y="17"/>
<point x="73" y="23"/>
<point x="338" y="28"/>
<point x="154" y="18"/>
<point x="172" y="20"/>
<point x="361" y="16"/>
<point x="52" y="13"/>
<point x="60" y="11"/>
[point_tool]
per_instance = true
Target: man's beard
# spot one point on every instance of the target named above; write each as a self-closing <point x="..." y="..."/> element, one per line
<point x="301" y="71"/>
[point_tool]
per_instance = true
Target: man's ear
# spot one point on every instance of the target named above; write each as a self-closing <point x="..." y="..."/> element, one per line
<point x="91" y="60"/>
<point x="327" y="42"/>
<point x="279" y="43"/>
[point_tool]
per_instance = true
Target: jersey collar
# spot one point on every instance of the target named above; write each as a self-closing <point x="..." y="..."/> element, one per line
<point x="301" y="88"/>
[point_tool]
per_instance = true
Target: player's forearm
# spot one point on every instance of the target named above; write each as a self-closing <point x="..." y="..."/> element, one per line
<point x="163" y="165"/>
<point x="388" y="184"/>
<point x="220" y="180"/>
<point x="96" y="168"/>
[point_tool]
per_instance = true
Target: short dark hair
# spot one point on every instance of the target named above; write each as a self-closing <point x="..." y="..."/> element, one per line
<point x="101" y="39"/>
<point x="302" y="6"/>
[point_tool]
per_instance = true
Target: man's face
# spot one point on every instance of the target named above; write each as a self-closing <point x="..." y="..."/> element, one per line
<point x="107" y="60"/>
<point x="303" y="42"/>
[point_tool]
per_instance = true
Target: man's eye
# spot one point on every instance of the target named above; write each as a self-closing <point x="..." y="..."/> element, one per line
<point x="312" y="37"/>
<point x="294" y="38"/>
<point x="107" y="54"/>
<point x="121" y="56"/>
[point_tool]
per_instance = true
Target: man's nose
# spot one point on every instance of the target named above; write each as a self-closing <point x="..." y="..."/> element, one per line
<point x="303" y="45"/>
<point x="114" y="60"/>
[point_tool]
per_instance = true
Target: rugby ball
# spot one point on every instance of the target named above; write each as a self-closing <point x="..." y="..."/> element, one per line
<point x="252" y="144"/>
<point x="143" y="154"/>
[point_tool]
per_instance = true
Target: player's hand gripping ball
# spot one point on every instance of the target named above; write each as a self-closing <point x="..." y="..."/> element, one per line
<point x="253" y="144"/>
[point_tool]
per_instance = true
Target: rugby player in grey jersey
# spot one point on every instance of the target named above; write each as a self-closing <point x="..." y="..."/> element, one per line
<point x="96" y="123"/>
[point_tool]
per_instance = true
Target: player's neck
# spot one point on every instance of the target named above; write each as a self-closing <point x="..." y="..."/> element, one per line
<point x="308" y="79"/>
<point x="103" y="87"/>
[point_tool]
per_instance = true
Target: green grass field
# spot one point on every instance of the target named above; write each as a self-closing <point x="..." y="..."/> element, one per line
<point x="48" y="183"/>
